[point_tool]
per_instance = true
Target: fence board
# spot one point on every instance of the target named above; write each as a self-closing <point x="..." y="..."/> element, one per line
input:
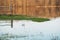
<point x="36" y="8"/>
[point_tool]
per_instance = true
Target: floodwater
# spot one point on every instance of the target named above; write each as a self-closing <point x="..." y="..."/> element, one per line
<point x="29" y="30"/>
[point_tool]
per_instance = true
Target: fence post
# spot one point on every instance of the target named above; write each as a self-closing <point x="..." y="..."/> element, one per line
<point x="11" y="9"/>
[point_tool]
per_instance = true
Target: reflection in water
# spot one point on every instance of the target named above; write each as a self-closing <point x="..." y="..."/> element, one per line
<point x="4" y="23"/>
<point x="10" y="36"/>
<point x="28" y="30"/>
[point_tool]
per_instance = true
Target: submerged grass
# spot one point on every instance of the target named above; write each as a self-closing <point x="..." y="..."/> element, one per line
<point x="15" y="37"/>
<point x="10" y="36"/>
<point x="21" y="17"/>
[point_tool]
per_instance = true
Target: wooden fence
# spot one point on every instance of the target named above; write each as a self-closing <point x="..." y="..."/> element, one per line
<point x="36" y="8"/>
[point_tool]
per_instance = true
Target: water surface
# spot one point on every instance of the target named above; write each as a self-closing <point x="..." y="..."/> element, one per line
<point x="29" y="30"/>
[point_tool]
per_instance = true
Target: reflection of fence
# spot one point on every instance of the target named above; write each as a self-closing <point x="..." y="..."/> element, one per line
<point x="38" y="8"/>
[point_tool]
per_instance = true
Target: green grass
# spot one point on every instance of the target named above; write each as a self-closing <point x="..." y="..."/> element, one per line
<point x="15" y="17"/>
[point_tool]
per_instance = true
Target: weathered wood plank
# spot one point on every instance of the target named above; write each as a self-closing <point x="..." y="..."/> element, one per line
<point x="37" y="8"/>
